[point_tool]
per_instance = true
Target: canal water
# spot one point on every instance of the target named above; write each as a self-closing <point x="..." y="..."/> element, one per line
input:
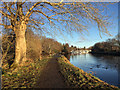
<point x="105" y="67"/>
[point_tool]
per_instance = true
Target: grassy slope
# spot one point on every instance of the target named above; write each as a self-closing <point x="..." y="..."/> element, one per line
<point x="77" y="78"/>
<point x="25" y="77"/>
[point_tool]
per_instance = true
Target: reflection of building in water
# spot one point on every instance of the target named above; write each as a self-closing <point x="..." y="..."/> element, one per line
<point x="85" y="56"/>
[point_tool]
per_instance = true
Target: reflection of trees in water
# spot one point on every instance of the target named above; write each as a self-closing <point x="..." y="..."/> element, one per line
<point x="105" y="56"/>
<point x="100" y="61"/>
<point x="73" y="56"/>
<point x="108" y="59"/>
<point x="119" y="75"/>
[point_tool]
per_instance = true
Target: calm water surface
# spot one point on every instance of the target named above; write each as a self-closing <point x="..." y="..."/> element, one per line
<point x="106" y="68"/>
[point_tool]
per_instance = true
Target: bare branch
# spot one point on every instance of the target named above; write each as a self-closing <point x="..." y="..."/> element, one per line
<point x="6" y="15"/>
<point x="41" y="13"/>
<point x="36" y="22"/>
<point x="9" y="8"/>
<point x="7" y="26"/>
<point x="32" y="8"/>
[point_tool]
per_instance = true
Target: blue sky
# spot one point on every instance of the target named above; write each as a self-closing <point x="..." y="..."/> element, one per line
<point x="91" y="37"/>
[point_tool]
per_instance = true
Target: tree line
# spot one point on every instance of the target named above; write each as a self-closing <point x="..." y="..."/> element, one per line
<point x="37" y="47"/>
<point x="110" y="46"/>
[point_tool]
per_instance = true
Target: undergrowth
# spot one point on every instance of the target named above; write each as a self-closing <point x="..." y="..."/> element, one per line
<point x="77" y="78"/>
<point x="25" y="77"/>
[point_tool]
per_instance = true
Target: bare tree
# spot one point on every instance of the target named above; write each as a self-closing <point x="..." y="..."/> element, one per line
<point x="21" y="15"/>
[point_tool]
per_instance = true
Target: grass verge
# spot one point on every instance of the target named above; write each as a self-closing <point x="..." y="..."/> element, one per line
<point x="77" y="78"/>
<point x="26" y="76"/>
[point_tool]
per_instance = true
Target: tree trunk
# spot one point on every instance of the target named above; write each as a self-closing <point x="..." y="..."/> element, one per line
<point x="20" y="47"/>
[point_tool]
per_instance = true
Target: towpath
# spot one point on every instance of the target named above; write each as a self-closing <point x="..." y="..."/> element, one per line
<point x="50" y="76"/>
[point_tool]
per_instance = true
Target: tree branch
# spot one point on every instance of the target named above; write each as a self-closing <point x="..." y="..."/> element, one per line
<point x="8" y="8"/>
<point x="36" y="22"/>
<point x="41" y="13"/>
<point x="28" y="12"/>
<point x="6" y="15"/>
<point x="7" y="26"/>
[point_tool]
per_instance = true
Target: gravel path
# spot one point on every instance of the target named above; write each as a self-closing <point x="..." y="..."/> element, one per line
<point x="50" y="76"/>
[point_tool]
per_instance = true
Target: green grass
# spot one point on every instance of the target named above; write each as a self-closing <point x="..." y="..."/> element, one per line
<point x="77" y="78"/>
<point x="25" y="77"/>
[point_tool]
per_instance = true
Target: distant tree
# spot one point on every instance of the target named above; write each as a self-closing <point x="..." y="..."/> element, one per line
<point x="72" y="46"/>
<point x="90" y="47"/>
<point x="84" y="48"/>
<point x="106" y="47"/>
<point x="50" y="46"/>
<point x="75" y="48"/>
<point x="66" y="48"/>
<point x="118" y="39"/>
<point x="34" y="45"/>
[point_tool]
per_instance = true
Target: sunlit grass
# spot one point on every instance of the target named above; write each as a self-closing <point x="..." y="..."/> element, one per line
<point x="25" y="77"/>
<point x="77" y="78"/>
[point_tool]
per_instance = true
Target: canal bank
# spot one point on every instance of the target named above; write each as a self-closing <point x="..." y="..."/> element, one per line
<point x="105" y="67"/>
<point x="77" y="78"/>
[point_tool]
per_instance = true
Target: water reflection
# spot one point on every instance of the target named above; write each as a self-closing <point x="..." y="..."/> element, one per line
<point x="118" y="68"/>
<point x="108" y="61"/>
<point x="105" y="67"/>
